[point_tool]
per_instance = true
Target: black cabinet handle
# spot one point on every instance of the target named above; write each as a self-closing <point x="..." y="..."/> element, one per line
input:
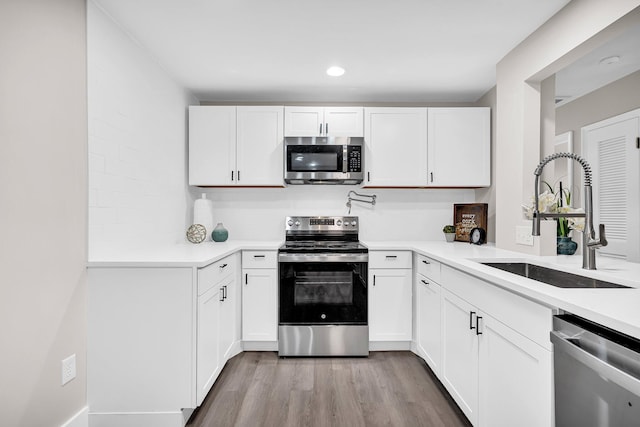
<point x="221" y="294"/>
<point x="320" y="131"/>
<point x="374" y="280"/>
<point x="246" y="278"/>
<point x="392" y="256"/>
<point x="478" y="325"/>
<point x="431" y="176"/>
<point x="231" y="175"/>
<point x="223" y="266"/>
<point x="258" y="256"/>
<point x="471" y="313"/>
<point x="424" y="281"/>
<point x="326" y="128"/>
<point x="426" y="262"/>
<point x="368" y="177"/>
<point x="238" y="175"/>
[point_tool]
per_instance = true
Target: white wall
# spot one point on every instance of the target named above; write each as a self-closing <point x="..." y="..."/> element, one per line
<point x="415" y="214"/>
<point x="43" y="209"/>
<point x="137" y="142"/>
<point x="572" y="32"/>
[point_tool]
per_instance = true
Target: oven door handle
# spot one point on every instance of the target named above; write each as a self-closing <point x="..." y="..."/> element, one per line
<point x="323" y="257"/>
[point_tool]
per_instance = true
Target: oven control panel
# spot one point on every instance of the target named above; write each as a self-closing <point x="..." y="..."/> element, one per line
<point x="322" y="223"/>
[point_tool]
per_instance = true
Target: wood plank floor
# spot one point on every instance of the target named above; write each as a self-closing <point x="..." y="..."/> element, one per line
<point x="385" y="389"/>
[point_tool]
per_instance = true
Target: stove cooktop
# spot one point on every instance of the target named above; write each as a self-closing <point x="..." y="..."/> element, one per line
<point x="323" y="246"/>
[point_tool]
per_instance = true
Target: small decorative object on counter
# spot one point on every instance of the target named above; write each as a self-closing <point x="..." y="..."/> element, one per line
<point x="477" y="236"/>
<point x="196" y="233"/>
<point x="219" y="234"/>
<point x="566" y="246"/>
<point x="449" y="233"/>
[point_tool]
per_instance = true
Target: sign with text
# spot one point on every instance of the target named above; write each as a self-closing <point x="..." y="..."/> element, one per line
<point x="466" y="217"/>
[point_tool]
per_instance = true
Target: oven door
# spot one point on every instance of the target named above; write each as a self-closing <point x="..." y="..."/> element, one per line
<point x="323" y="292"/>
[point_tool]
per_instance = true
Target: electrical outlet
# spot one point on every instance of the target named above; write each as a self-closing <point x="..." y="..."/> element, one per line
<point x="68" y="369"/>
<point x="523" y="235"/>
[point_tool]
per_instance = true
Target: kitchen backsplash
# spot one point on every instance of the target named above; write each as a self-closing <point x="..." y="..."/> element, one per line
<point x="259" y="213"/>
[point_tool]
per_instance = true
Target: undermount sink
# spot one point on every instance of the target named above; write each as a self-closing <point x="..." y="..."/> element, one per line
<point x="550" y="276"/>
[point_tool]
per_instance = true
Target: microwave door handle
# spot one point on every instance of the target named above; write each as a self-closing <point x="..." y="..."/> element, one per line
<point x="345" y="159"/>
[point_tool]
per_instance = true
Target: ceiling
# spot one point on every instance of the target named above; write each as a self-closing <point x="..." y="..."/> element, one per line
<point x="278" y="50"/>
<point x="588" y="73"/>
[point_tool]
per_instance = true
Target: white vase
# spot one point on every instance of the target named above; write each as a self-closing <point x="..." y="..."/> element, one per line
<point x="450" y="236"/>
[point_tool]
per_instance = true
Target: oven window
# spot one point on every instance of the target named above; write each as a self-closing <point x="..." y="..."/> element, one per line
<point x="323" y="287"/>
<point x="317" y="293"/>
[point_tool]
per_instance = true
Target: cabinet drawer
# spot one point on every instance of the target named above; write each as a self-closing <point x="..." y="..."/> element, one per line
<point x="212" y="274"/>
<point x="390" y="259"/>
<point x="428" y="267"/>
<point x="259" y="259"/>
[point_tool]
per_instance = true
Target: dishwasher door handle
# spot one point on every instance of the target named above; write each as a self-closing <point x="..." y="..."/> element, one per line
<point x="610" y="372"/>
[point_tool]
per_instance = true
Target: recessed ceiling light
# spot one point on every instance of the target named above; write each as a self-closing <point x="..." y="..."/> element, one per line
<point x="610" y="60"/>
<point x="335" y="71"/>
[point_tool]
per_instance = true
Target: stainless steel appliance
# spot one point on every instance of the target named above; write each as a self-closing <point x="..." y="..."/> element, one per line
<point x="323" y="272"/>
<point x="323" y="160"/>
<point x="597" y="374"/>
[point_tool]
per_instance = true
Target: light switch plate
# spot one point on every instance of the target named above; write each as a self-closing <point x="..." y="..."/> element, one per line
<point x="523" y="235"/>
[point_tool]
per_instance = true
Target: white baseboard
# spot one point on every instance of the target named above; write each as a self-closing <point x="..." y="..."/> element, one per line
<point x="389" y="345"/>
<point x="80" y="419"/>
<point x="140" y="419"/>
<point x="260" y="345"/>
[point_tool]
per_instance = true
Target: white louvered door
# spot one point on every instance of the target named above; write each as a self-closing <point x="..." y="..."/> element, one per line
<point x="612" y="149"/>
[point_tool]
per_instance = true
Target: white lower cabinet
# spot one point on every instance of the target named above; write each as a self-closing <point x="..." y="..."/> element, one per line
<point x="208" y="358"/>
<point x="390" y="297"/>
<point x="514" y="378"/>
<point x="428" y="321"/>
<point x="494" y="370"/>
<point x="460" y="353"/>
<point x="259" y="300"/>
<point x="157" y="340"/>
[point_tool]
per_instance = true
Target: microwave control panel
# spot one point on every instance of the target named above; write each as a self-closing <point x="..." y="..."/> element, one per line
<point x="354" y="158"/>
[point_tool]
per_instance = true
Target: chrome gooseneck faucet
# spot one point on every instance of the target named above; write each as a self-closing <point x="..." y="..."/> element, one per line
<point x="589" y="242"/>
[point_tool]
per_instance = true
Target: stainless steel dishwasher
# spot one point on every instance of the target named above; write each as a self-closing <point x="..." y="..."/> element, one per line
<point x="597" y="374"/>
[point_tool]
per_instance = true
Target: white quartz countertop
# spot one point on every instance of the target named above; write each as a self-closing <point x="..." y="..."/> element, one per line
<point x="618" y="309"/>
<point x="178" y="255"/>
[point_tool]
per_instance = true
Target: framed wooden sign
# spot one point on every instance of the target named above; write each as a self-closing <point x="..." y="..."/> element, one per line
<point x="466" y="217"/>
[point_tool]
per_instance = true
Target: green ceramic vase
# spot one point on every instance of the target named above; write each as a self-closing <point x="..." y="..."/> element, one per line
<point x="566" y="246"/>
<point x="219" y="234"/>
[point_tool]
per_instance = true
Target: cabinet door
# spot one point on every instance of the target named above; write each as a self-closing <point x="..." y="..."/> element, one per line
<point x="259" y="305"/>
<point x="212" y="145"/>
<point x="344" y="121"/>
<point x="207" y="356"/>
<point x="459" y="147"/>
<point x="227" y="324"/>
<point x="390" y="305"/>
<point x="515" y="378"/>
<point x="303" y="121"/>
<point x="260" y="146"/>
<point x="428" y="321"/>
<point x="396" y="147"/>
<point x="459" y="368"/>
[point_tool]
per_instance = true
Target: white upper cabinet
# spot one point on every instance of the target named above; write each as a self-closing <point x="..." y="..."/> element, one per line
<point x="396" y="147"/>
<point x="323" y="121"/>
<point x="260" y="137"/>
<point x="212" y="145"/>
<point x="236" y="146"/>
<point x="459" y="147"/>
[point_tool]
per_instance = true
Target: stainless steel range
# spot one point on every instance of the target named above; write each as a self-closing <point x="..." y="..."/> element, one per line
<point x="323" y="272"/>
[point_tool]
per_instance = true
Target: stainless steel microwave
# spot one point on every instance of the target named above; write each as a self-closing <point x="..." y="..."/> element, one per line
<point x="323" y="160"/>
